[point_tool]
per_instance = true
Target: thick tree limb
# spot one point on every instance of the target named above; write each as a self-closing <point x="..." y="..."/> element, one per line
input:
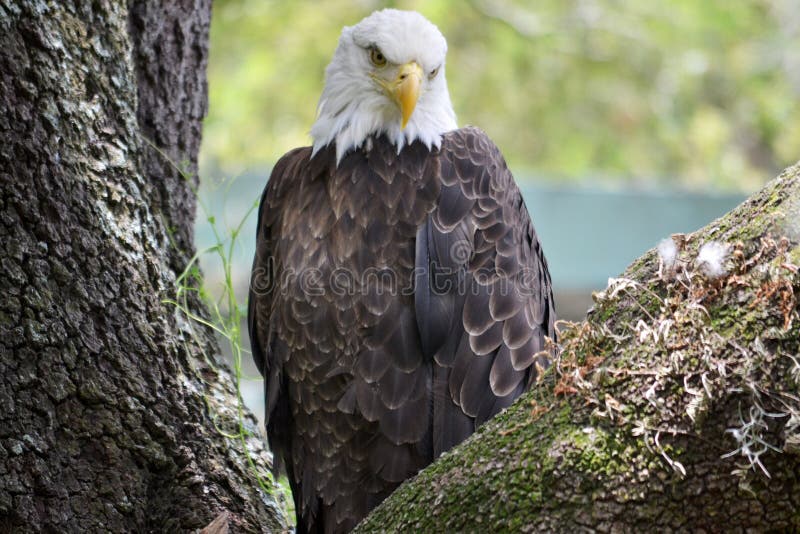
<point x="108" y="405"/>
<point x="675" y="405"/>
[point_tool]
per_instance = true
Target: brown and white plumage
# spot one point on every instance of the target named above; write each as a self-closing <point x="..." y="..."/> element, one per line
<point x="398" y="301"/>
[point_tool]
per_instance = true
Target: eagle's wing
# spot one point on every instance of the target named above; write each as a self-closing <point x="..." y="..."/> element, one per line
<point x="483" y="298"/>
<point x="269" y="352"/>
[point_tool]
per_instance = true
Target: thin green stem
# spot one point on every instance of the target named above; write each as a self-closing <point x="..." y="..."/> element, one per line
<point x="225" y="312"/>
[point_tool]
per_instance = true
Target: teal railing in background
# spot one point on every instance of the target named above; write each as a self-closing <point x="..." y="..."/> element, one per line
<point x="588" y="234"/>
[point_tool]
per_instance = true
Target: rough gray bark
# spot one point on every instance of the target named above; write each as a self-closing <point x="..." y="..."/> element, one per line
<point x="665" y="410"/>
<point x="107" y="404"/>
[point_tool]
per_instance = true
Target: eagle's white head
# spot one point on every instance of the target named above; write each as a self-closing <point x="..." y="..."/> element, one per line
<point x="386" y="76"/>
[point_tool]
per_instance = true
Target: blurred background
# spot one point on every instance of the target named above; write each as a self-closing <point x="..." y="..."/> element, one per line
<point x="623" y="120"/>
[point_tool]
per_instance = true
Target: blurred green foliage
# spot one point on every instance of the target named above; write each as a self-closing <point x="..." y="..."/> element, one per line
<point x="692" y="93"/>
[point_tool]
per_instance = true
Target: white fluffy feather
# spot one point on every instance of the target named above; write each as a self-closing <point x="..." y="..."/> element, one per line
<point x="711" y="258"/>
<point x="353" y="106"/>
<point x="668" y="252"/>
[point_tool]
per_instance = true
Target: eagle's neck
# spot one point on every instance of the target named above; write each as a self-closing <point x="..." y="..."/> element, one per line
<point x="348" y="120"/>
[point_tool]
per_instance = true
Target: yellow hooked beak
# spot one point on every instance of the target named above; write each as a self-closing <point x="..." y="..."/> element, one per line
<point x="405" y="89"/>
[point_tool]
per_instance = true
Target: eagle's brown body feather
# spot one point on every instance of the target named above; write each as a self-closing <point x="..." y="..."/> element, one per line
<point x="397" y="302"/>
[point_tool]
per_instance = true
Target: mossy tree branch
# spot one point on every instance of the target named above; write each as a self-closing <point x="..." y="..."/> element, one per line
<point x="676" y="404"/>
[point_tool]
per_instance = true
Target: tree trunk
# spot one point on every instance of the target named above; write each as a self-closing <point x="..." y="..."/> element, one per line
<point x="107" y="403"/>
<point x="674" y="406"/>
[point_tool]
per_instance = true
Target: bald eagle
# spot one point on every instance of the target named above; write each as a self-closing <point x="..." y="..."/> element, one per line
<point x="399" y="296"/>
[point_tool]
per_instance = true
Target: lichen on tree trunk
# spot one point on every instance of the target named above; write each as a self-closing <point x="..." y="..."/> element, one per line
<point x="674" y="406"/>
<point x="107" y="404"/>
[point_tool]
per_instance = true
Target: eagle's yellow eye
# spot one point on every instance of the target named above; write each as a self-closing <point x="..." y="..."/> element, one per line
<point x="377" y="57"/>
<point x="432" y="74"/>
